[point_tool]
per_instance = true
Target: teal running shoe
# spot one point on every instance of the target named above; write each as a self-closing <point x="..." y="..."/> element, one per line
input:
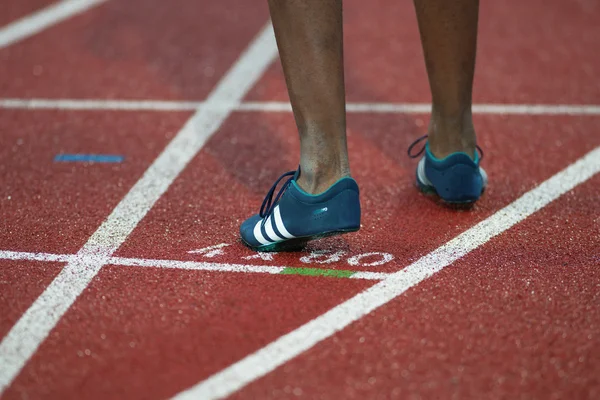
<point x="295" y="216"/>
<point x="456" y="179"/>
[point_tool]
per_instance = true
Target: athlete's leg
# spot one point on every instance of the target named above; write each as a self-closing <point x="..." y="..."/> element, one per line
<point x="309" y="37"/>
<point x="450" y="166"/>
<point x="449" y="37"/>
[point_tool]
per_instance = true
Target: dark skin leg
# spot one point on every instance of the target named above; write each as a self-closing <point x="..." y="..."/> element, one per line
<point x="309" y="38"/>
<point x="310" y="41"/>
<point x="449" y="37"/>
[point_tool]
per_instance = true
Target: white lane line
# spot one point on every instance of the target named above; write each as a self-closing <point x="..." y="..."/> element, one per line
<point x="287" y="347"/>
<point x="500" y="109"/>
<point x="33" y="327"/>
<point x="174" y="264"/>
<point x="196" y="265"/>
<point x="23" y="255"/>
<point x="45" y="18"/>
<point x="270" y="106"/>
<point x="100" y="105"/>
<point x="375" y="276"/>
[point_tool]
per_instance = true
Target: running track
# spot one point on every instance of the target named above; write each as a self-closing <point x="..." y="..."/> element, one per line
<point x="126" y="280"/>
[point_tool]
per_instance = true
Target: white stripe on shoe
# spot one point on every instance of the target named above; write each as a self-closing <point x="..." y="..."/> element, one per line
<point x="271" y="234"/>
<point x="258" y="234"/>
<point x="280" y="226"/>
<point x="421" y="173"/>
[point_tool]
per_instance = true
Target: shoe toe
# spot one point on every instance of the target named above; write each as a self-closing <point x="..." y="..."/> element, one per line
<point x="247" y="230"/>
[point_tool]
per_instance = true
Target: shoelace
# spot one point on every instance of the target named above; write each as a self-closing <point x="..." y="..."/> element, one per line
<point x="419" y="140"/>
<point x="268" y="204"/>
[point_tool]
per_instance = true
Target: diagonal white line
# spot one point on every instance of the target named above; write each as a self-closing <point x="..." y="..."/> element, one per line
<point x="33" y="327"/>
<point x="45" y="18"/>
<point x="275" y="106"/>
<point x="285" y="348"/>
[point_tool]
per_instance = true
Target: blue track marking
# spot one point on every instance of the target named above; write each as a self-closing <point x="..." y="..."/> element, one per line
<point x="96" y="158"/>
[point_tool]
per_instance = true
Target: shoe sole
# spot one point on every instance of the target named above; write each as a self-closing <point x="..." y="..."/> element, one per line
<point x="296" y="244"/>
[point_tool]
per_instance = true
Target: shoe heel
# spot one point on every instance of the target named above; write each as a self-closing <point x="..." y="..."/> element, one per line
<point x="460" y="183"/>
<point x="349" y="217"/>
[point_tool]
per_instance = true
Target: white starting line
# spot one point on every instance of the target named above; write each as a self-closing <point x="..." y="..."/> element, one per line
<point x="280" y="106"/>
<point x="197" y="265"/>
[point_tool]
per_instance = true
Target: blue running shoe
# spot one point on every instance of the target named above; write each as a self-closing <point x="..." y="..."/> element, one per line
<point x="295" y="217"/>
<point x="456" y="179"/>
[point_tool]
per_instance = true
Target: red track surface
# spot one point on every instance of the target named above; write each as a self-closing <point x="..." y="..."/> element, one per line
<point x="529" y="52"/>
<point x="517" y="318"/>
<point x="139" y="49"/>
<point x="68" y="201"/>
<point x="21" y="282"/>
<point x="514" y="319"/>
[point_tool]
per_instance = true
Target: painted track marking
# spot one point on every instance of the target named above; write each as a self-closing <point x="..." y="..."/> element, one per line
<point x="198" y="265"/>
<point x="424" y="108"/>
<point x="89" y="158"/>
<point x="277" y="353"/>
<point x="272" y="106"/>
<point x="35" y="324"/>
<point x="45" y="18"/>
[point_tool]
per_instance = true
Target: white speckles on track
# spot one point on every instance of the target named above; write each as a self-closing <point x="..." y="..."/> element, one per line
<point x="285" y="348"/>
<point x="34" y="325"/>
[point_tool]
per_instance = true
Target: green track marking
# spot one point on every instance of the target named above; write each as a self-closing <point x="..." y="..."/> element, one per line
<point x="336" y="273"/>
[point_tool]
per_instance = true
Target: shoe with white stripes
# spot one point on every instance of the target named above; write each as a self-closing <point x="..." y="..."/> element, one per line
<point x="295" y="217"/>
<point x="456" y="179"/>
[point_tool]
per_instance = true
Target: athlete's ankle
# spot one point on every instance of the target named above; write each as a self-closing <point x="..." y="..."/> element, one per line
<point x="451" y="133"/>
<point x="316" y="180"/>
